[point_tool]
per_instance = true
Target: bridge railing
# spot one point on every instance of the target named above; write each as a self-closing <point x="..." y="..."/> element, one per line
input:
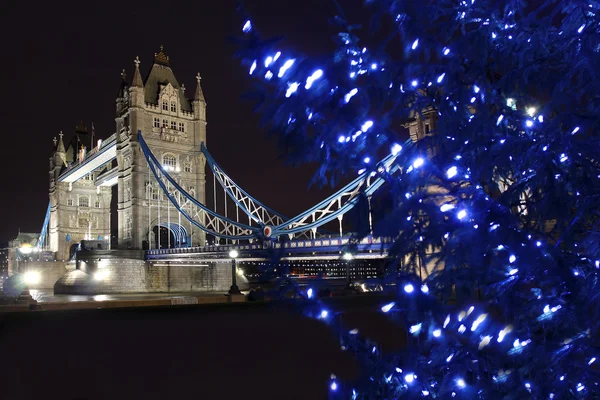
<point x="293" y="244"/>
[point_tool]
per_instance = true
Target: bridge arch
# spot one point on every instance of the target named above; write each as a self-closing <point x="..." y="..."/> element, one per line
<point x="171" y="234"/>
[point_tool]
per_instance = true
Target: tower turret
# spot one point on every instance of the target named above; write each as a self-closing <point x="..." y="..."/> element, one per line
<point x="199" y="101"/>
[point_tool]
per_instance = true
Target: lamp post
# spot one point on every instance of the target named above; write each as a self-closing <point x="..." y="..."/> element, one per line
<point x="234" y="289"/>
<point x="348" y="257"/>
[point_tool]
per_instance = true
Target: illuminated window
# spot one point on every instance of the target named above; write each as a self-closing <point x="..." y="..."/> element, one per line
<point x="181" y="127"/>
<point x="173" y="106"/>
<point x="165" y="123"/>
<point x="173" y="125"/>
<point x="165" y="105"/>
<point x="156" y="122"/>
<point x="84" y="201"/>
<point x="169" y="162"/>
<point x="70" y="201"/>
<point x="187" y="167"/>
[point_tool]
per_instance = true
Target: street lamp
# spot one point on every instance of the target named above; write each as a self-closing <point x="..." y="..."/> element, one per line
<point x="348" y="257"/>
<point x="234" y="289"/>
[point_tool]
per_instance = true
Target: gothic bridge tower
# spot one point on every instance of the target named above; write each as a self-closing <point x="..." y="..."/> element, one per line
<point x="173" y="126"/>
<point x="78" y="210"/>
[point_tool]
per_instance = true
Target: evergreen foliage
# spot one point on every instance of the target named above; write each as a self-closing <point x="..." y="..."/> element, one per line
<point x="502" y="196"/>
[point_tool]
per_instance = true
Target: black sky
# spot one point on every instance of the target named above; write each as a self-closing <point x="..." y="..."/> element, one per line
<point x="61" y="64"/>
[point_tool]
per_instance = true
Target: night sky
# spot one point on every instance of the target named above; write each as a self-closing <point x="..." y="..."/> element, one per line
<point x="62" y="63"/>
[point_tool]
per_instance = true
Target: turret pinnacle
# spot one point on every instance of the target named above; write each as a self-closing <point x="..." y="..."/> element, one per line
<point x="60" y="148"/>
<point x="137" y="77"/>
<point x="199" y="96"/>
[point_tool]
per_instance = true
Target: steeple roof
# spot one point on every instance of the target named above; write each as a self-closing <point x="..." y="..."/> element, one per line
<point x="60" y="147"/>
<point x="160" y="75"/>
<point x="199" y="96"/>
<point x="137" y="77"/>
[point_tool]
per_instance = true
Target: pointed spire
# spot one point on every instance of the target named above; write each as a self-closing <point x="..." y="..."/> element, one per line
<point x="137" y="77"/>
<point x="61" y="145"/>
<point x="199" y="94"/>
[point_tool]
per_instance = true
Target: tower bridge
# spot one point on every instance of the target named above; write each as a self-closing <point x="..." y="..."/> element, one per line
<point x="157" y="160"/>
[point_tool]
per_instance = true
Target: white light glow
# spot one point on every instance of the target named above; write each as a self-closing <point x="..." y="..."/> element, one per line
<point x="233" y="254"/>
<point x="451" y="172"/>
<point x="396" y="148"/>
<point x="287" y="65"/>
<point x="32" y="277"/>
<point x="388" y="307"/>
<point x="315" y="75"/>
<point x="437" y="333"/>
<point x="409" y="288"/>
<point x="461" y="214"/>
<point x="418" y="162"/>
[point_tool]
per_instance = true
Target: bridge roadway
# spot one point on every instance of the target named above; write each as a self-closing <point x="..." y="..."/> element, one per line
<point x="299" y="249"/>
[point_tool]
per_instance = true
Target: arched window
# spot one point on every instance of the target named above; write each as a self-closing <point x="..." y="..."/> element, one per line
<point x="165" y="105"/>
<point x="169" y="162"/>
<point x="173" y="106"/>
<point x="84" y="201"/>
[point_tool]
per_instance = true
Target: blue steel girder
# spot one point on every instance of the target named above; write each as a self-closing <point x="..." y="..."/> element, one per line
<point x="197" y="213"/>
<point x="340" y="202"/>
<point x="44" y="231"/>
<point x="258" y="212"/>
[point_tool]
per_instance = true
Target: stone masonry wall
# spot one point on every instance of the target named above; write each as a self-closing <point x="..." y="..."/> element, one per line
<point x="113" y="273"/>
<point x="48" y="271"/>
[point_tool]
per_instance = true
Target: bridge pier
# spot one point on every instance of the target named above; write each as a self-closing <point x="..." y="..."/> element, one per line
<point x="126" y="271"/>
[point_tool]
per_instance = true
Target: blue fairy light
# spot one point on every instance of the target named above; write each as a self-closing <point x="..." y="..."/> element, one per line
<point x="252" y="67"/>
<point x="341" y="139"/>
<point x="446" y="207"/>
<point x="500" y="118"/>
<point x="461" y="383"/>
<point x="268" y="61"/>
<point x="414" y="83"/>
<point x="366" y="126"/>
<point x="350" y="94"/>
<point x="287" y="65"/>
<point x="418" y="162"/>
<point x="437" y="333"/>
<point x="424" y="288"/>
<point x="529" y="123"/>
<point x="324" y="314"/>
<point x="441" y="78"/>
<point x="581" y="28"/>
<point x="396" y="148"/>
<point x="367" y="160"/>
<point x="315" y="75"/>
<point x="388" y="307"/>
<point x="415" y="44"/>
<point x="247" y="27"/>
<point x="461" y="214"/>
<point x="512" y="258"/>
<point x="575" y="130"/>
<point x="409" y="288"/>
<point x="292" y="88"/>
<point x="513" y="271"/>
<point x="451" y="172"/>
<point x="476" y="89"/>
<point x="446" y="51"/>
<point x="309" y="293"/>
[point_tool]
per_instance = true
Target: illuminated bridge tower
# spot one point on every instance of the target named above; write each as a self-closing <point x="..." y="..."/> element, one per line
<point x="173" y="127"/>
<point x="79" y="210"/>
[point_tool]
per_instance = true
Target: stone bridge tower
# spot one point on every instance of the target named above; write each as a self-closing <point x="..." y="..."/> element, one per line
<point x="173" y="126"/>
<point x="78" y="210"/>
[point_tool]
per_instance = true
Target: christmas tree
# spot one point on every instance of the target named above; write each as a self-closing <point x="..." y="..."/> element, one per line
<point x="497" y="191"/>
